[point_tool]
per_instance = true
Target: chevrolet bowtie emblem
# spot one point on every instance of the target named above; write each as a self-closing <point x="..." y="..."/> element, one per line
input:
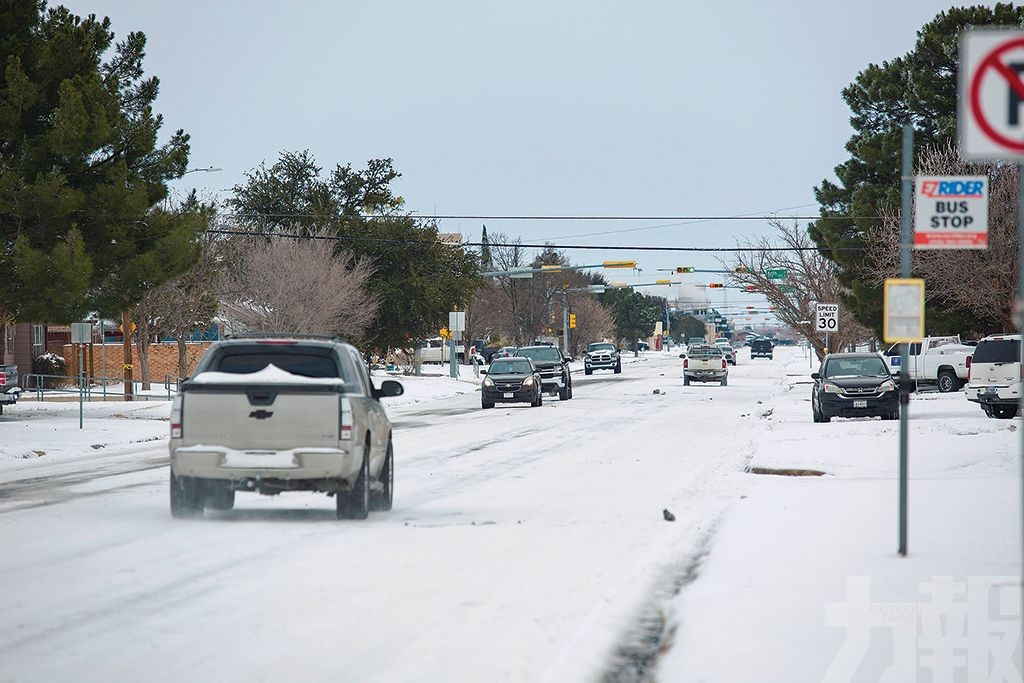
<point x="261" y="414"/>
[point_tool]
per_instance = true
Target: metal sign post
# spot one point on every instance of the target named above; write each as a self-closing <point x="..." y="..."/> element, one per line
<point x="906" y="197"/>
<point x="990" y="126"/>
<point x="456" y="325"/>
<point x="81" y="334"/>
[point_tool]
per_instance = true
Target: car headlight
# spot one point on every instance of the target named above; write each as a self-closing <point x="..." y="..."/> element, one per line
<point x="887" y="385"/>
<point x="528" y="382"/>
<point x="832" y="388"/>
<point x="488" y="382"/>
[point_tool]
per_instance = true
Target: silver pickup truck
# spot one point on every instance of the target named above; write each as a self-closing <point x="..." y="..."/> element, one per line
<point x="10" y="392"/>
<point x="281" y="414"/>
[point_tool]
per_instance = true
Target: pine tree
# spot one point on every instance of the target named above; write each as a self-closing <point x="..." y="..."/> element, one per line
<point x="80" y="168"/>
<point x="918" y="88"/>
<point x="485" y="252"/>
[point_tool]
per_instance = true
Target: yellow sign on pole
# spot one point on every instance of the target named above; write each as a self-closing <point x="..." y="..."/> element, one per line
<point x="572" y="321"/>
<point x="903" y="311"/>
<point x="619" y="264"/>
<point x="444" y="333"/>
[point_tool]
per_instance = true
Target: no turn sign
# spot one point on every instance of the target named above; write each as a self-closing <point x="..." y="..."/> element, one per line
<point x="991" y="116"/>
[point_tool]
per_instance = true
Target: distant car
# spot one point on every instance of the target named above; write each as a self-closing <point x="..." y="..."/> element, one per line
<point x="762" y="348"/>
<point x="643" y="346"/>
<point x="695" y="341"/>
<point x="602" y="356"/>
<point x="704" y="363"/>
<point x="730" y="355"/>
<point x="511" y="380"/>
<point x="994" y="379"/>
<point x="552" y="367"/>
<point x="505" y="352"/>
<point x="854" y="385"/>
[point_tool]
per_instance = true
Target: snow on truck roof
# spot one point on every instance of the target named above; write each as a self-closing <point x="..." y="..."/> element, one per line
<point x="271" y="374"/>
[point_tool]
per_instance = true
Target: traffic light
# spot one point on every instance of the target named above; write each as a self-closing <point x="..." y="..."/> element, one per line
<point x="685" y="269"/>
<point x="716" y="285"/>
<point x="572" y="321"/>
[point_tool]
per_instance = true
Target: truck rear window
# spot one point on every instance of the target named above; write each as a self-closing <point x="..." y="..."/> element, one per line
<point x="997" y="351"/>
<point x="307" y="365"/>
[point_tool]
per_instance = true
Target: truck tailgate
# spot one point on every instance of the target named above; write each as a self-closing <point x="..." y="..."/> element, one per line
<point x="261" y="418"/>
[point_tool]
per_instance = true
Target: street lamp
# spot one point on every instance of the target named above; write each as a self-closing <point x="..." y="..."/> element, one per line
<point x="208" y="169"/>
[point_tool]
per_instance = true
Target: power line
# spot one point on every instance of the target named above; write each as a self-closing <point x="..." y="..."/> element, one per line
<point x="544" y="218"/>
<point x="386" y="240"/>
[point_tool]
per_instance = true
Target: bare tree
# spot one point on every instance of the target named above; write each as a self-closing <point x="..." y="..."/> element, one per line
<point x="810" y="279"/>
<point x="593" y="322"/>
<point x="287" y="284"/>
<point x="982" y="282"/>
<point x="189" y="302"/>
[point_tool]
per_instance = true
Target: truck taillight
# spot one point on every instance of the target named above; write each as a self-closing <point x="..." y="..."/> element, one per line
<point x="3" y="378"/>
<point x="686" y="362"/>
<point x="345" y="425"/>
<point x="176" y="430"/>
<point x="723" y="364"/>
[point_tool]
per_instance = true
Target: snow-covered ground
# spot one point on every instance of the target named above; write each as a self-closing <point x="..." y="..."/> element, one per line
<point x="526" y="544"/>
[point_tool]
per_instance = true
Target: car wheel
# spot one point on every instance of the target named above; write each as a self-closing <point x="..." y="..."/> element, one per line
<point x="618" y="368"/>
<point x="485" y="405"/>
<point x="724" y="382"/>
<point x="686" y="381"/>
<point x="220" y="496"/>
<point x="563" y="393"/>
<point x="355" y="504"/>
<point x="948" y="381"/>
<point x="1004" y="412"/>
<point x="186" y="497"/>
<point x="382" y="500"/>
<point x="570" y="390"/>
<point x="588" y="371"/>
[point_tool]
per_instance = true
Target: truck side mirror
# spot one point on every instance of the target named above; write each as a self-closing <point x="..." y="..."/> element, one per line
<point x="816" y="376"/>
<point x="388" y="387"/>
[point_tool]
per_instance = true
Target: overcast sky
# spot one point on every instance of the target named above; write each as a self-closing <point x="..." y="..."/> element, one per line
<point x="578" y="107"/>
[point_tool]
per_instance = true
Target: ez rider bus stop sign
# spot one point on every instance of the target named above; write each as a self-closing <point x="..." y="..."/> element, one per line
<point x="951" y="212"/>
<point x="991" y="94"/>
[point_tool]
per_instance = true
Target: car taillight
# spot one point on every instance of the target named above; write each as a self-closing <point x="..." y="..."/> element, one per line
<point x="686" y="362"/>
<point x="176" y="430"/>
<point x="345" y="427"/>
<point x="723" y="363"/>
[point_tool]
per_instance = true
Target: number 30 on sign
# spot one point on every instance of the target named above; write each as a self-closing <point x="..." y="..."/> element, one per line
<point x="827" y="318"/>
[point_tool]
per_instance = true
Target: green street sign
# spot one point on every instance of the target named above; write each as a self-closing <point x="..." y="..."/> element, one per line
<point x="776" y="273"/>
<point x="786" y="289"/>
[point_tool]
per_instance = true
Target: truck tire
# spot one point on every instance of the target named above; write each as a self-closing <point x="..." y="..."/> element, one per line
<point x="724" y="382"/>
<point x="618" y="367"/>
<point x="588" y="371"/>
<point x="686" y="381"/>
<point x="563" y="393"/>
<point x="355" y="504"/>
<point x="186" y="497"/>
<point x="485" y="405"/>
<point x="383" y="499"/>
<point x="948" y="381"/>
<point x="1004" y="412"/>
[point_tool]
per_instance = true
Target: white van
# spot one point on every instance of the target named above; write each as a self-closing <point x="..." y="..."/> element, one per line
<point x="994" y="380"/>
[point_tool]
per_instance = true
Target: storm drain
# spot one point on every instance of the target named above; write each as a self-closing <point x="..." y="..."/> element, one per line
<point x="786" y="472"/>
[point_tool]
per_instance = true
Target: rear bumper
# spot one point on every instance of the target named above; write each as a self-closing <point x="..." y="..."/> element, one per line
<point x="218" y="462"/>
<point x="11" y="396"/>
<point x="705" y="375"/>
<point x="993" y="395"/>
<point x="841" y="406"/>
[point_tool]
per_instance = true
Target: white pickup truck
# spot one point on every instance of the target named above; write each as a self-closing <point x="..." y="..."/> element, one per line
<point x="704" y="363"/>
<point x="942" y="361"/>
<point x="281" y="414"/>
<point x="437" y="350"/>
<point x="9" y="389"/>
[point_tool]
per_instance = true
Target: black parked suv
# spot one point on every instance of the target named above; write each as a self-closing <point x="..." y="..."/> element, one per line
<point x="511" y="380"/>
<point x="553" y="368"/>
<point x="854" y="385"/>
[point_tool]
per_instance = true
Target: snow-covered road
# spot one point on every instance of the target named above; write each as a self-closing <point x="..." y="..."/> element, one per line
<point x="522" y="545"/>
<point x="526" y="544"/>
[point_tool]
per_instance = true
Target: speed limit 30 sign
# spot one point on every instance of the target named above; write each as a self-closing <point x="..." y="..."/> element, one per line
<point x="826" y="318"/>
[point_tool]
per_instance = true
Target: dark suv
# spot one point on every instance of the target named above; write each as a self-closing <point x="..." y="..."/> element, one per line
<point x="762" y="348"/>
<point x="552" y="367"/>
<point x="854" y="385"/>
<point x="511" y="380"/>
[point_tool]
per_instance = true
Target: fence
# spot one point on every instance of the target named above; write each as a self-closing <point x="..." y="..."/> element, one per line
<point x="95" y="388"/>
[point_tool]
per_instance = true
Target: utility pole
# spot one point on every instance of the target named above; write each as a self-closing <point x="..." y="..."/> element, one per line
<point x="126" y="332"/>
<point x="906" y="239"/>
